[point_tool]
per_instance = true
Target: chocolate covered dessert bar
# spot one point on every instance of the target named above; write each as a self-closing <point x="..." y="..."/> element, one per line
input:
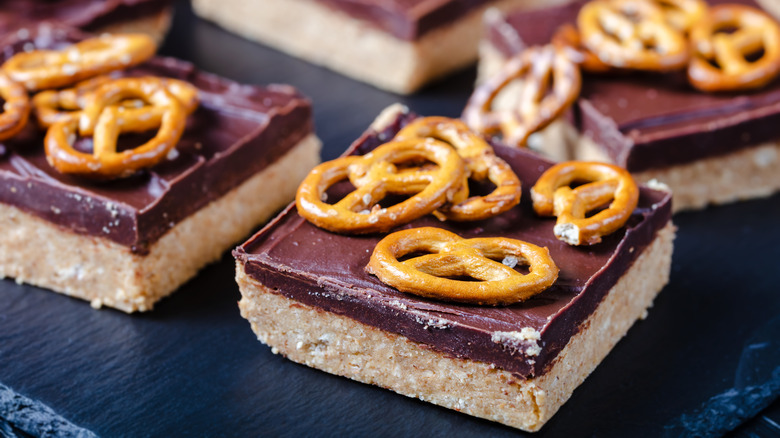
<point x="128" y="242"/>
<point x="397" y="45"/>
<point x="308" y="295"/>
<point x="709" y="147"/>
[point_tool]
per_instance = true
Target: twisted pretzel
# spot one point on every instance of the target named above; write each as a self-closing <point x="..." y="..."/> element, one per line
<point x="755" y="32"/>
<point x="42" y="69"/>
<point x="105" y="161"/>
<point x="567" y="36"/>
<point x="53" y="106"/>
<point x="632" y="34"/>
<point x="481" y="162"/>
<point x="16" y="109"/>
<point x="539" y="101"/>
<point x="682" y="14"/>
<point x="377" y="175"/>
<point x="451" y="256"/>
<point x="605" y="183"/>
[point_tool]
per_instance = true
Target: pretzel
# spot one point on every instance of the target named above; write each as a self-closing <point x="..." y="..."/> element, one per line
<point x="16" y="109"/>
<point x="52" y="106"/>
<point x="682" y="14"/>
<point x="105" y="161"/>
<point x="755" y="32"/>
<point x="378" y="176"/>
<point x="539" y="101"/>
<point x="41" y="69"/>
<point x="632" y="34"/>
<point x="567" y="36"/>
<point x="481" y="162"/>
<point x="605" y="182"/>
<point x="451" y="256"/>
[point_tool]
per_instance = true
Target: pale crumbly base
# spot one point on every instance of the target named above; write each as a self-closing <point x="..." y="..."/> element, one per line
<point x="155" y="25"/>
<point x="103" y="272"/>
<point x="321" y="35"/>
<point x="748" y="173"/>
<point x="340" y="345"/>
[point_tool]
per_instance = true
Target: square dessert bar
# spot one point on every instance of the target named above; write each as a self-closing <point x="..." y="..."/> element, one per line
<point x="152" y="17"/>
<point x="127" y="243"/>
<point x="396" y="45"/>
<point x="709" y="148"/>
<point x="306" y="293"/>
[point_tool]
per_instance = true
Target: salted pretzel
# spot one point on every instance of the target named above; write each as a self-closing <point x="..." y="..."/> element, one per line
<point x="482" y="163"/>
<point x="550" y="82"/>
<point x="52" y="106"/>
<point x="721" y="60"/>
<point x="567" y="36"/>
<point x="105" y="161"/>
<point x="16" y="109"/>
<point x="603" y="183"/>
<point x="449" y="255"/>
<point x="42" y="69"/>
<point x="632" y="34"/>
<point x="378" y="176"/>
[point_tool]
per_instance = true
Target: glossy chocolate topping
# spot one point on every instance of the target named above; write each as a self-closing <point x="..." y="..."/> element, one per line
<point x="86" y="14"/>
<point x="649" y="121"/>
<point x="406" y="19"/>
<point x="237" y="131"/>
<point x="326" y="270"/>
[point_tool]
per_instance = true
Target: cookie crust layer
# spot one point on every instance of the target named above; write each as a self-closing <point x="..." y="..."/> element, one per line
<point x="103" y="272"/>
<point x="340" y="345"/>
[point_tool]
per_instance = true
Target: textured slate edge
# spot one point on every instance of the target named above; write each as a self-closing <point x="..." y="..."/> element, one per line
<point x="22" y="417"/>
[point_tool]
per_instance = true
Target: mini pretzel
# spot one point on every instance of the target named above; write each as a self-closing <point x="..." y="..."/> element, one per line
<point x="482" y="164"/>
<point x="632" y="34"/>
<point x="605" y="183"/>
<point x="568" y="36"/>
<point x="755" y="32"/>
<point x="41" y="69"/>
<point x="378" y="175"/>
<point x="105" y="161"/>
<point x="451" y="256"/>
<point x="682" y="14"/>
<point x="539" y="101"/>
<point x="16" y="109"/>
<point x="52" y="106"/>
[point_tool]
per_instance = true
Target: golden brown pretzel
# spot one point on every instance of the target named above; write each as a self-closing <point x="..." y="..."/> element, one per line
<point x="682" y="14"/>
<point x="105" y="161"/>
<point x="378" y="176"/>
<point x="52" y="106"/>
<point x="539" y="102"/>
<point x="16" y="109"/>
<point x="755" y="32"/>
<point x="41" y="69"/>
<point x="605" y="182"/>
<point x="632" y="34"/>
<point x="568" y="36"/>
<point x="451" y="256"/>
<point x="482" y="163"/>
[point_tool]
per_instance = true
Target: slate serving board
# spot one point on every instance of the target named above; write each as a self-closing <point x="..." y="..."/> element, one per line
<point x="706" y="359"/>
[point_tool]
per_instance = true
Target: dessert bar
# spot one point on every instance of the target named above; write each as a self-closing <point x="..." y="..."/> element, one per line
<point x="709" y="148"/>
<point x="396" y="45"/>
<point x="307" y="294"/>
<point x="128" y="242"/>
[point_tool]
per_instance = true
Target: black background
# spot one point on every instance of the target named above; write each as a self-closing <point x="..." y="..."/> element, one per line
<point x="194" y="367"/>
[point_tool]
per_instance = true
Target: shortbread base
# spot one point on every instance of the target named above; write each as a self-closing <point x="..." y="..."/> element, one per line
<point x="324" y="36"/>
<point x="342" y="346"/>
<point x="103" y="272"/>
<point x="752" y="172"/>
<point x="155" y="25"/>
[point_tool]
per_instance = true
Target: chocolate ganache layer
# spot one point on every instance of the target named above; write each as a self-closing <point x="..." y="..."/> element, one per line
<point x="326" y="270"/>
<point x="648" y="120"/>
<point x="237" y="131"/>
<point x="85" y="14"/>
<point x="406" y="19"/>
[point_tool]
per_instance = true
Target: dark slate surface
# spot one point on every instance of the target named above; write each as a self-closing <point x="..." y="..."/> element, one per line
<point x="704" y="361"/>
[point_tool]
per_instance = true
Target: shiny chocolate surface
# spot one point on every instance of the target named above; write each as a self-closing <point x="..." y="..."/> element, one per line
<point x="326" y="270"/>
<point x="645" y="120"/>
<point x="237" y="131"/>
